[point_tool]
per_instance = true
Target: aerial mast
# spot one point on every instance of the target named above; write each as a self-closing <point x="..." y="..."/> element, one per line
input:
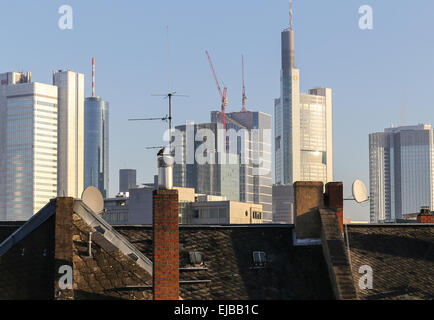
<point x="244" y="98"/>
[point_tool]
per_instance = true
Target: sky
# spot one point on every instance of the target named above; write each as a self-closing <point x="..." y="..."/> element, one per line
<point x="379" y="77"/>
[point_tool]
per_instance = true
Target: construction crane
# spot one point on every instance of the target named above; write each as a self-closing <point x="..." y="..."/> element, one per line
<point x="223" y="94"/>
<point x="244" y="87"/>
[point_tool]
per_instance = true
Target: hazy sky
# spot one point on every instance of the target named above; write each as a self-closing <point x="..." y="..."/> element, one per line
<point x="373" y="73"/>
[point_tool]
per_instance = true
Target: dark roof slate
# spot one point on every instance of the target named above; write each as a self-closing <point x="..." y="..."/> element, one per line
<point x="290" y="272"/>
<point x="401" y="258"/>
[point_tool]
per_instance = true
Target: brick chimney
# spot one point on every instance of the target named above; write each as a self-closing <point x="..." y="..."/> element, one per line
<point x="333" y="199"/>
<point x="165" y="235"/>
<point x="425" y="216"/>
<point x="308" y="198"/>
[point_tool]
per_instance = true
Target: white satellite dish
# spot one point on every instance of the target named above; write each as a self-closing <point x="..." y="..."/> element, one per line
<point x="92" y="197"/>
<point x="359" y="192"/>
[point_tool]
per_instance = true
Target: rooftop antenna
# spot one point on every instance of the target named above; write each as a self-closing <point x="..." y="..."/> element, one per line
<point x="291" y="16"/>
<point x="244" y="87"/>
<point x="360" y="195"/>
<point x="93" y="76"/>
<point x="403" y="107"/>
<point x="168" y="95"/>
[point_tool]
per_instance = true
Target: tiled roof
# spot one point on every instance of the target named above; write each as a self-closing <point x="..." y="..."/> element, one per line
<point x="290" y="272"/>
<point x="401" y="258"/>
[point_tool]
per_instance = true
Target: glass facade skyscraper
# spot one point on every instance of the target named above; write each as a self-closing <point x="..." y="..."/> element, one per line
<point x="255" y="187"/>
<point x="96" y="144"/>
<point x="127" y="179"/>
<point x="303" y="126"/>
<point x="30" y="148"/>
<point x="219" y="175"/>
<point x="401" y="172"/>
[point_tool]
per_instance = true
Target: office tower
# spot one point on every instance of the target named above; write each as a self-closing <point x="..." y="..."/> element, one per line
<point x="401" y="172"/>
<point x="255" y="187"/>
<point x="218" y="174"/>
<point x="316" y="136"/>
<point x="29" y="145"/>
<point x="287" y="115"/>
<point x="70" y="132"/>
<point x="6" y="79"/>
<point x="303" y="125"/>
<point x="127" y="179"/>
<point x="283" y="203"/>
<point x="96" y="141"/>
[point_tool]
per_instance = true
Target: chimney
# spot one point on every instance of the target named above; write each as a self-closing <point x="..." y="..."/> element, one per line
<point x="165" y="170"/>
<point x="165" y="235"/>
<point x="308" y="198"/>
<point x="425" y="216"/>
<point x="334" y="199"/>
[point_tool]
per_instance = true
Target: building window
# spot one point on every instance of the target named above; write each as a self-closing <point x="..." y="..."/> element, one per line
<point x="259" y="258"/>
<point x="196" y="258"/>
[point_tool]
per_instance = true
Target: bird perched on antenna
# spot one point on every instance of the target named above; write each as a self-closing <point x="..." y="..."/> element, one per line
<point x="161" y="152"/>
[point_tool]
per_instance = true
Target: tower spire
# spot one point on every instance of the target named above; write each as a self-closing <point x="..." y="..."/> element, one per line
<point x="291" y="14"/>
<point x="93" y="76"/>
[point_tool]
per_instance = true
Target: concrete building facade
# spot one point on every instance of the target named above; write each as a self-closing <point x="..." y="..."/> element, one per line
<point x="70" y="132"/>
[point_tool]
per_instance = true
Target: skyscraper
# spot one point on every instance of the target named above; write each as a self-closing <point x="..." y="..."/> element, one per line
<point x="127" y="179"/>
<point x="96" y="144"/>
<point x="401" y="172"/>
<point x="255" y="187"/>
<point x="6" y="79"/>
<point x="28" y="142"/>
<point x="287" y="115"/>
<point x="218" y="175"/>
<point x="70" y="132"/>
<point x="303" y="125"/>
<point x="96" y="141"/>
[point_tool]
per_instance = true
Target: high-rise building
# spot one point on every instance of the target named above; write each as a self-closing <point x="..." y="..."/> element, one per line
<point x="303" y="125"/>
<point x="255" y="185"/>
<point x="283" y="203"/>
<point x="96" y="141"/>
<point x="70" y="132"/>
<point x="217" y="174"/>
<point x="303" y="128"/>
<point x="127" y="179"/>
<point x="401" y="172"/>
<point x="28" y="139"/>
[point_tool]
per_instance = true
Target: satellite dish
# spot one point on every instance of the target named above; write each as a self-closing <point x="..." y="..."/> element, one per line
<point x="92" y="197"/>
<point x="359" y="192"/>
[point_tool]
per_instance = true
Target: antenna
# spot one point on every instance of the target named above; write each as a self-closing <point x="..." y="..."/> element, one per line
<point x="360" y="194"/>
<point x="93" y="76"/>
<point x="92" y="198"/>
<point x="403" y="107"/>
<point x="168" y="95"/>
<point x="244" y="98"/>
<point x="291" y="14"/>
<point x="169" y="76"/>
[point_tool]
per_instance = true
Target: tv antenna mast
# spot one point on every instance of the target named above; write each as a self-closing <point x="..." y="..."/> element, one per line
<point x="169" y="95"/>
